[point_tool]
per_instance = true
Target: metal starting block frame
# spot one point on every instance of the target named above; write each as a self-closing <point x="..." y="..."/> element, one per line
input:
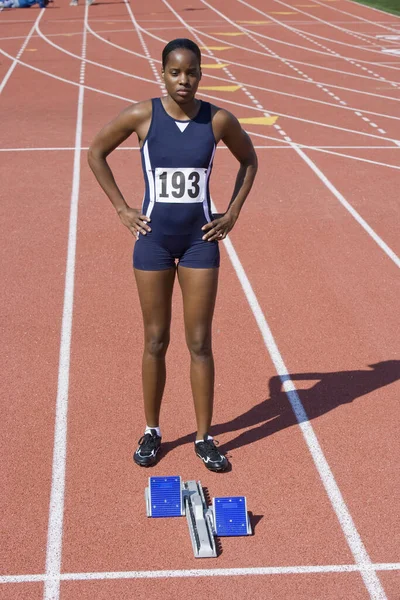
<point x="170" y="497"/>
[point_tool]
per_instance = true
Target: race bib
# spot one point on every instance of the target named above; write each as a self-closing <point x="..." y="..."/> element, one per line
<point x="180" y="185"/>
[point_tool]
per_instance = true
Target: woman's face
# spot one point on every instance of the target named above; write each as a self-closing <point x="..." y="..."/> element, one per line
<point x="182" y="75"/>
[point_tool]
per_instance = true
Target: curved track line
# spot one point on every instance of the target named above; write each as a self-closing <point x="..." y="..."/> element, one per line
<point x="287" y="62"/>
<point x="328" y="23"/>
<point x="91" y="62"/>
<point x="357" y="17"/>
<point x="347" y="73"/>
<point x="249" y="85"/>
<point x="313" y="35"/>
<point x="219" y="99"/>
<point x="348" y="59"/>
<point x="294" y="29"/>
<point x="333" y="41"/>
<point x="69" y="81"/>
<point x="276" y="112"/>
<point x="300" y="32"/>
<point x="382" y="12"/>
<point x="145" y="48"/>
<point x="20" y="52"/>
<point x="268" y="72"/>
<point x="204" y="95"/>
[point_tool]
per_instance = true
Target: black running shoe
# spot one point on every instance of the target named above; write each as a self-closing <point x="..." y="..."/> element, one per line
<point x="146" y="453"/>
<point x="207" y="451"/>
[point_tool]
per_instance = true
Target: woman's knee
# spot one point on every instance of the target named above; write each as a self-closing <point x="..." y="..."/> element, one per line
<point x="200" y="347"/>
<point x="156" y="343"/>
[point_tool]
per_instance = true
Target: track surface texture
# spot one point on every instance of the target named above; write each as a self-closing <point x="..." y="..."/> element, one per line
<point x="306" y="331"/>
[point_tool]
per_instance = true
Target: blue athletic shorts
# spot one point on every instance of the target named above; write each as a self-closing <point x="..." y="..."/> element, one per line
<point x="161" y="253"/>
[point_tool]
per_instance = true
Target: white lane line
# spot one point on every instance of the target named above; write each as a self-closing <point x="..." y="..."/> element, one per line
<point x="330" y="24"/>
<point x="48" y="74"/>
<point x="238" y="572"/>
<point x="70" y="148"/>
<point x="250" y="85"/>
<point x="56" y="510"/>
<point x="315" y="66"/>
<point x="21" y="51"/>
<point x="357" y="548"/>
<point x="324" y="149"/>
<point x="388" y="251"/>
<point x="313" y="35"/>
<point x="287" y="62"/>
<point x="375" y="23"/>
<point x="148" y="57"/>
<point x="355" y="63"/>
<point x="275" y="73"/>
<point x="354" y="541"/>
<point x="91" y="62"/>
<point x="130" y="75"/>
<point x="376" y="9"/>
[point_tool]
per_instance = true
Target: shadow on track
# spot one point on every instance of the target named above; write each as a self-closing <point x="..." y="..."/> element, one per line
<point x="275" y="412"/>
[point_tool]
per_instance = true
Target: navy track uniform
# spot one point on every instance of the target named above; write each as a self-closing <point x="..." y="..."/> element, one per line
<point x="177" y="158"/>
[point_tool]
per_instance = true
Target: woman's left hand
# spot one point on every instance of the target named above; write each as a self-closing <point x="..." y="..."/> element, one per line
<point x="219" y="228"/>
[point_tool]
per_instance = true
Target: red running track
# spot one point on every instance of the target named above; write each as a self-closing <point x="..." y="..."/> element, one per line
<point x="309" y="291"/>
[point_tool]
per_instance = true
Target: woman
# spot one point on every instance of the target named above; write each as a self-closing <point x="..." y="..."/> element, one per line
<point x="178" y="135"/>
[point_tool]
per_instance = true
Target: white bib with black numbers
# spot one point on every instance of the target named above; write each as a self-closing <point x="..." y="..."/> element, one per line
<point x="186" y="185"/>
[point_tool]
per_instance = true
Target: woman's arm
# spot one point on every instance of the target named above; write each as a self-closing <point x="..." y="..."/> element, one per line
<point x="137" y="119"/>
<point x="227" y="128"/>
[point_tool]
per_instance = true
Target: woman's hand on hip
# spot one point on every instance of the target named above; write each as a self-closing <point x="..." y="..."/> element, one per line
<point x="219" y="227"/>
<point x="134" y="220"/>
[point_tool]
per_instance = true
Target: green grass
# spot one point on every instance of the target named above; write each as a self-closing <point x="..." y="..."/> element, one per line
<point x="390" y="6"/>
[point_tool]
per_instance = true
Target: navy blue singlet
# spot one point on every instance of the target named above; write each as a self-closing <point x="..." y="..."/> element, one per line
<point x="177" y="158"/>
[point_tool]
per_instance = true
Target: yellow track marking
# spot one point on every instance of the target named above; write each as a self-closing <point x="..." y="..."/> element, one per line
<point x="219" y="48"/>
<point x="229" y="33"/>
<point x="259" y="120"/>
<point x="214" y="66"/>
<point x="220" y="88"/>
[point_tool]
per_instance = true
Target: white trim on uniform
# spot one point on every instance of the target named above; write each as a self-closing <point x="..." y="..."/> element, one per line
<point x="205" y="202"/>
<point x="150" y="179"/>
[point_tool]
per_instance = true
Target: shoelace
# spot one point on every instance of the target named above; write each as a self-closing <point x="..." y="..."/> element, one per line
<point x="148" y="441"/>
<point x="211" y="449"/>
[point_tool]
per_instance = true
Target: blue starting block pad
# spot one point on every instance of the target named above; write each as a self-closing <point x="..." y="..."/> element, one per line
<point x="164" y="497"/>
<point x="230" y="516"/>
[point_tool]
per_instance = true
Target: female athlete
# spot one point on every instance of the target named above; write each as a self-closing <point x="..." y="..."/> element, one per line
<point x="175" y="230"/>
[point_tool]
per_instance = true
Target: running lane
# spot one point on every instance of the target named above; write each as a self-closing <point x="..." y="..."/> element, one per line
<point x="270" y="460"/>
<point x="35" y="213"/>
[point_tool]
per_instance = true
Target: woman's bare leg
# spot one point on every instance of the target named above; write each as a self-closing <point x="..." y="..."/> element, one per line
<point x="155" y="294"/>
<point x="199" y="290"/>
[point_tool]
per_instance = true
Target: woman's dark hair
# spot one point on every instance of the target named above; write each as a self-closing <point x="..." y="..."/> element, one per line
<point x="177" y="44"/>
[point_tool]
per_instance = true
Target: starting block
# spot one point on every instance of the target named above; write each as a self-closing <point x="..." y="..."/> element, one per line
<point x="228" y="516"/>
<point x="231" y="516"/>
<point x="164" y="497"/>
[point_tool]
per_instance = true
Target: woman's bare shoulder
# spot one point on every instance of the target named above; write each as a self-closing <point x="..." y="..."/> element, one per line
<point x="222" y="120"/>
<point x="139" y="112"/>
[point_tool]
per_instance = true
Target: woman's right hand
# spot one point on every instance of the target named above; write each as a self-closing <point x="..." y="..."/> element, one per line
<point x="133" y="219"/>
